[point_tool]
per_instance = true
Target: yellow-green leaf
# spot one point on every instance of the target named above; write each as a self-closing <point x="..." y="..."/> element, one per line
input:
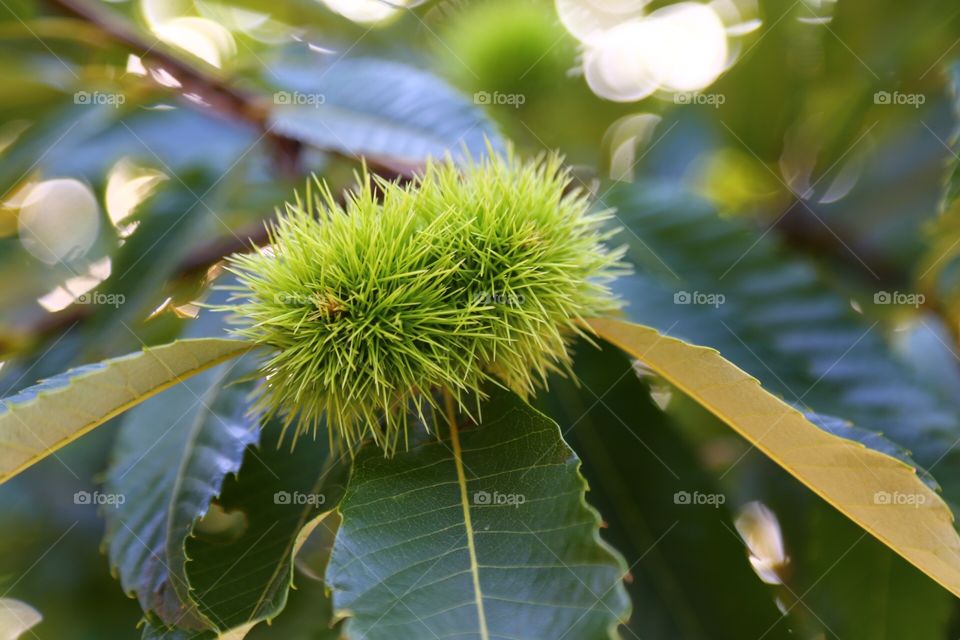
<point x="880" y="493"/>
<point x="47" y="416"/>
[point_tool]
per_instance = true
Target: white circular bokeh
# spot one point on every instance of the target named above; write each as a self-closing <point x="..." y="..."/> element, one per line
<point x="620" y="68"/>
<point x="628" y="56"/>
<point x="690" y="44"/>
<point x="365" y="11"/>
<point x="589" y="20"/>
<point x="59" y="220"/>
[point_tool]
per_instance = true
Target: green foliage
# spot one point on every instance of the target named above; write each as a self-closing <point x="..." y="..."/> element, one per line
<point x="382" y="110"/>
<point x="209" y="437"/>
<point x="689" y="575"/>
<point x="227" y="496"/>
<point x="456" y="275"/>
<point x="515" y="47"/>
<point x="485" y="534"/>
<point x="45" y="417"/>
<point x="855" y="479"/>
<point x="781" y="320"/>
<point x="241" y="565"/>
<point x="937" y="272"/>
<point x="445" y="283"/>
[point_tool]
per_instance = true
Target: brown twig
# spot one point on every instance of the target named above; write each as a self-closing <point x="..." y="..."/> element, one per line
<point x="801" y="230"/>
<point x="215" y="94"/>
<point x="214" y="91"/>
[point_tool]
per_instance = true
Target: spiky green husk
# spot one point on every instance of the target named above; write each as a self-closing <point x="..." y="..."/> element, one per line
<point x="467" y="275"/>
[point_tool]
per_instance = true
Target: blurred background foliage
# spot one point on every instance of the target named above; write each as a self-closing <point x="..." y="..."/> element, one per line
<point x="802" y="180"/>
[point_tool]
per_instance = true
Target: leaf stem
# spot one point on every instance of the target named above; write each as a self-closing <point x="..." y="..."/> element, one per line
<point x="451" y="412"/>
<point x="464" y="502"/>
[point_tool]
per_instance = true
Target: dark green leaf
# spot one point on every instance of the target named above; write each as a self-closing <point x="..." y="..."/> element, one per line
<point x="241" y="567"/>
<point x="772" y="314"/>
<point x="493" y="540"/>
<point x="691" y="578"/>
<point x="171" y="459"/>
<point x="380" y="109"/>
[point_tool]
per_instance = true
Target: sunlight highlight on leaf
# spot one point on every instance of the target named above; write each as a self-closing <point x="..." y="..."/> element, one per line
<point x="41" y="419"/>
<point x="201" y="37"/>
<point x="880" y="493"/>
<point x="366" y="11"/>
<point x="76" y="288"/>
<point x="128" y="185"/>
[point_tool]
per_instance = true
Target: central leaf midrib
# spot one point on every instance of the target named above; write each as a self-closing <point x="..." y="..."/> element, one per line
<point x="468" y="526"/>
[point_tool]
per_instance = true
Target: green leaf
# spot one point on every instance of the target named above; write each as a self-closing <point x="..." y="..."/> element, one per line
<point x="308" y="614"/>
<point x="239" y="576"/>
<point x="45" y="417"/>
<point x="780" y="320"/>
<point x="200" y="538"/>
<point x="171" y="458"/>
<point x="154" y="630"/>
<point x="636" y="461"/>
<point x="880" y="493"/>
<point x="381" y="109"/>
<point x="484" y="534"/>
<point x="787" y="324"/>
